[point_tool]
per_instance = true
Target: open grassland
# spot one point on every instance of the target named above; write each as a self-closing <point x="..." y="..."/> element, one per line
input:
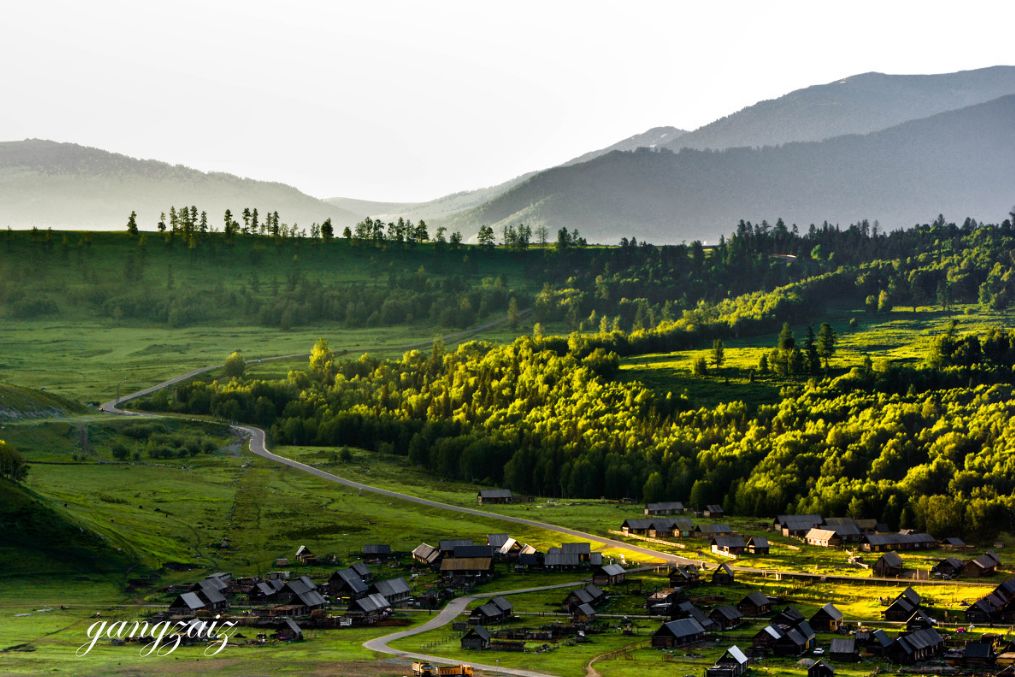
<point x="901" y="336"/>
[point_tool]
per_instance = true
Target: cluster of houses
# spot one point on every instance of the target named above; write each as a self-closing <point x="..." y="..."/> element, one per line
<point x="864" y="534"/>
<point x="997" y="607"/>
<point x="279" y="598"/>
<point x="977" y="567"/>
<point x="463" y="562"/>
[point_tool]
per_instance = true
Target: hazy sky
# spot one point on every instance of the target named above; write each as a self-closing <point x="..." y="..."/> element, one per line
<point x="412" y="100"/>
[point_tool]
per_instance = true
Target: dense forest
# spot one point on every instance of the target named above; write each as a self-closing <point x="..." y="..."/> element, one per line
<point x="259" y="270"/>
<point x="922" y="445"/>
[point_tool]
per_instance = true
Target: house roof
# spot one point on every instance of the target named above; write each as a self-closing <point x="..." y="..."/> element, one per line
<point x="479" y="631"/>
<point x="950" y="562"/>
<point x="426" y="552"/>
<point x="986" y="561"/>
<point x="303" y="550"/>
<point x="881" y="638"/>
<point x="758" y="541"/>
<point x="798" y="522"/>
<point x="392" y="587"/>
<point x="728" y="612"/>
<point x="818" y="534"/>
<point x="713" y="508"/>
<point x="307" y="595"/>
<point x="830" y="611"/>
<point x="899" y="539"/>
<point x="495" y="493"/>
<point x="376" y="549"/>
<point x="756" y="598"/>
<point x="612" y="570"/>
<point x="452" y="543"/>
<point x="465" y="551"/>
<point x="717" y="528"/>
<point x="371" y="603"/>
<point x="891" y="559"/>
<point x="293" y="626"/>
<point x="586" y="609"/>
<point x="555" y="557"/>
<point x="912" y="595"/>
<point x="581" y="547"/>
<point x="683" y="627"/>
<point x="191" y="600"/>
<point x="497" y="540"/>
<point x="954" y="541"/>
<point x="845" y="645"/>
<point x="360" y="568"/>
<point x="729" y="541"/>
<point x="638" y="524"/>
<point x="211" y="593"/>
<point x="665" y="505"/>
<point x="466" y="564"/>
<point x="736" y="654"/>
<point x="351" y="579"/>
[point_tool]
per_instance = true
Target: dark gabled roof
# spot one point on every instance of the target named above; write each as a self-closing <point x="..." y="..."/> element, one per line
<point x="954" y="541"/>
<point x="717" y="528"/>
<point x="891" y="559"/>
<point x="728" y="612"/>
<point x="466" y="551"/>
<point x="495" y="608"/>
<point x="729" y="541"/>
<point x="497" y="540"/>
<point x="788" y="616"/>
<point x="376" y="549"/>
<point x="479" y="631"/>
<point x="307" y="594"/>
<point x="586" y="609"/>
<point x="452" y="543"/>
<point x="881" y="638"/>
<point x="951" y="563"/>
<point x="724" y="568"/>
<point x="582" y="547"/>
<point x="665" y="505"/>
<point x="296" y="630"/>
<point x="758" y="541"/>
<point x="830" y="611"/>
<point x="912" y="595"/>
<point x="683" y="627"/>
<point x="899" y="539"/>
<point x="191" y="600"/>
<point x="638" y="524"/>
<point x="371" y="603"/>
<point x="217" y="581"/>
<point x="211" y="593"/>
<point x="845" y="645"/>
<point x="822" y="666"/>
<point x="270" y="586"/>
<point x="805" y="629"/>
<point x="555" y="557"/>
<point x="713" y="508"/>
<point x="360" y="568"/>
<point x="612" y="570"/>
<point x="986" y="561"/>
<point x="352" y="580"/>
<point x="392" y="587"/>
<point x="495" y="493"/>
<point x="978" y="650"/>
<point x="501" y="603"/>
<point x="798" y="522"/>
<point x="303" y="550"/>
<point x="757" y="598"/>
<point x="912" y="642"/>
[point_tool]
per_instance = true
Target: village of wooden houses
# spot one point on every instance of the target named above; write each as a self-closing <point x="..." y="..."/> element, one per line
<point x="892" y="602"/>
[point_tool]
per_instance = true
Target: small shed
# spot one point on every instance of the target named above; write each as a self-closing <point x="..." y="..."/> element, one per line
<point x="609" y="574"/>
<point x="488" y="496"/>
<point x="755" y="604"/>
<point x="713" y="511"/>
<point x="827" y="619"/>
<point x="820" y="669"/>
<point x="476" y="637"/>
<point x="889" y="565"/>
<point x="290" y="631"/>
<point x="844" y="649"/>
<point x="723" y="575"/>
<point x="758" y="545"/>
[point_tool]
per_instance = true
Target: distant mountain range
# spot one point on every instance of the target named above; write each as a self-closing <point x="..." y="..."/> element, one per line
<point x="64" y="185"/>
<point x="898" y="148"/>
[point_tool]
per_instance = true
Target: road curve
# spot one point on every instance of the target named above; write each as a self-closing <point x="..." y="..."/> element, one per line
<point x="447" y="615"/>
<point x="258" y="447"/>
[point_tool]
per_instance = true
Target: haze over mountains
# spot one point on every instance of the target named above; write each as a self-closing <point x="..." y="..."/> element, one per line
<point x="896" y="148"/>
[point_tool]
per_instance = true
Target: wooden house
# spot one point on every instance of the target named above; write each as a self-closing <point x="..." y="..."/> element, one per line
<point x="713" y="511"/>
<point x="900" y="541"/>
<point x="824" y="538"/>
<point x="376" y="552"/>
<point x="949" y="567"/>
<point x="497" y="610"/>
<point x="372" y="607"/>
<point x="844" y="649"/>
<point x="476" y="638"/>
<point x="680" y="632"/>
<point x="984" y="565"/>
<point x="488" y="496"/>
<point x="687" y="609"/>
<point x="346" y="583"/>
<point x="913" y="647"/>
<point x="685" y="576"/>
<point x="362" y="570"/>
<point x="903" y="606"/>
<point x="755" y="604"/>
<point x="820" y="669"/>
<point x="797" y="525"/>
<point x="723" y="575"/>
<point x="827" y="619"/>
<point x="638" y="527"/>
<point x="590" y="594"/>
<point x="425" y="553"/>
<point x="584" y="613"/>
<point x="729" y="545"/>
<point x="464" y="569"/>
<point x="290" y="631"/>
<point x="726" y="617"/>
<point x="733" y="663"/>
<point x="664" y="508"/>
<point x="609" y="574"/>
<point x="395" y="590"/>
<point x="187" y="604"/>
<point x="660" y="602"/>
<point x="758" y="545"/>
<point x="889" y="565"/>
<point x="305" y="556"/>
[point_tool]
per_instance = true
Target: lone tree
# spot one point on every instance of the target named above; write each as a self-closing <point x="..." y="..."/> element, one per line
<point x="12" y="464"/>
<point x="327" y="230"/>
<point x="132" y="223"/>
<point x="235" y="365"/>
<point x="485" y="237"/>
<point x="718" y="353"/>
<point x="826" y="342"/>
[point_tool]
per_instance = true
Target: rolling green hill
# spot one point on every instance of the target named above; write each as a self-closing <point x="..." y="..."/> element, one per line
<point x="18" y="403"/>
